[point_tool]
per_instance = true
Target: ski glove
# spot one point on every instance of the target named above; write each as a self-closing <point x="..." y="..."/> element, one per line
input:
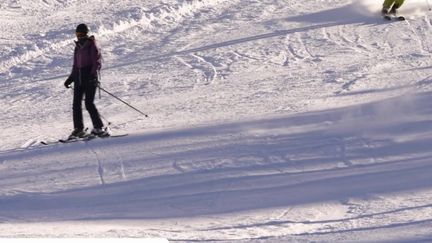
<point x="68" y="82"/>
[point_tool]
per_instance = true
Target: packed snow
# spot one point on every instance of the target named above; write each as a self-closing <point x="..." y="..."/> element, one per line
<point x="269" y="121"/>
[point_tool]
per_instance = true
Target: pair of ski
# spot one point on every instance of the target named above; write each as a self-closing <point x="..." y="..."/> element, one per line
<point x="393" y="17"/>
<point x="82" y="139"/>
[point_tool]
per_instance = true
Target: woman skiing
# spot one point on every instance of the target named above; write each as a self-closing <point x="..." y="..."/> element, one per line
<point x="86" y="66"/>
<point x="391" y="6"/>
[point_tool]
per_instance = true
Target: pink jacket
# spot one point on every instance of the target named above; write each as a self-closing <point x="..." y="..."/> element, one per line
<point x="87" y="55"/>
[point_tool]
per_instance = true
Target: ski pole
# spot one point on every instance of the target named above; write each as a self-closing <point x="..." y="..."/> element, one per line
<point x="104" y="90"/>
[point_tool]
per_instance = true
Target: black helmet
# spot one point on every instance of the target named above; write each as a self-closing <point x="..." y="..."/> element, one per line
<point x="82" y="28"/>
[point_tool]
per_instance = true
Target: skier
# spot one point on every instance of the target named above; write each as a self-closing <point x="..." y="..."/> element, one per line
<point x="391" y="6"/>
<point x="84" y="75"/>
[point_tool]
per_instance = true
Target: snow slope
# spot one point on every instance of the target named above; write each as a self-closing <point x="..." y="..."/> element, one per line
<point x="270" y="121"/>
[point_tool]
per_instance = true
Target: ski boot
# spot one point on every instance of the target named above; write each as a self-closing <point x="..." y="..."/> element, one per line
<point x="394" y="13"/>
<point x="100" y="132"/>
<point x="78" y="133"/>
<point x="393" y="10"/>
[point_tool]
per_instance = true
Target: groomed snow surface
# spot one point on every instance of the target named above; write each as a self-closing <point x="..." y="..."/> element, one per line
<point x="269" y="121"/>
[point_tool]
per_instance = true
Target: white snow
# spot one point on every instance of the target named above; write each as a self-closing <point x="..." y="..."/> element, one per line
<point x="269" y="121"/>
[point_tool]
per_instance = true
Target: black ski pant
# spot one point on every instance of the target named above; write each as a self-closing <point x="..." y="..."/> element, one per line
<point x="87" y="90"/>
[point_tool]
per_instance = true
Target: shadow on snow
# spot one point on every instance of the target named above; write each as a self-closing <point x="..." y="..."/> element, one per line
<point x="376" y="148"/>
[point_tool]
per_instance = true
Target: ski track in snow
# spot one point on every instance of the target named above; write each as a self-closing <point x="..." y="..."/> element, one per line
<point x="148" y="20"/>
<point x="270" y="121"/>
